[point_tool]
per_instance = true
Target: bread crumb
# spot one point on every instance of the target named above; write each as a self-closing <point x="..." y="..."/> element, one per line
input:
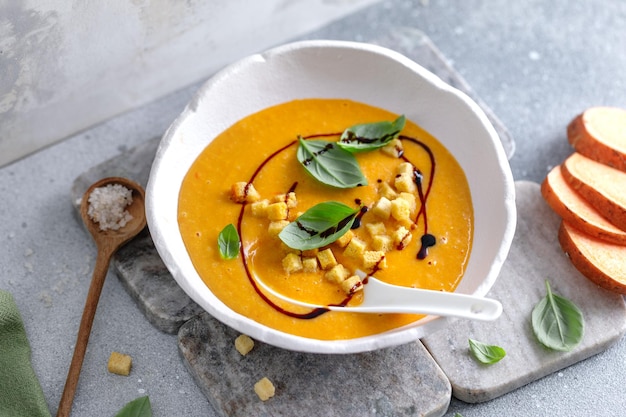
<point x="244" y="344"/>
<point x="119" y="364"/>
<point x="264" y="389"/>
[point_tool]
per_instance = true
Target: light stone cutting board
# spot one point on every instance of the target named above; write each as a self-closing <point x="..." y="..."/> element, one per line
<point x="535" y="257"/>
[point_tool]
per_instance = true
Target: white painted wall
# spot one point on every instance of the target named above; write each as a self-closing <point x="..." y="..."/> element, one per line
<point x="68" y="64"/>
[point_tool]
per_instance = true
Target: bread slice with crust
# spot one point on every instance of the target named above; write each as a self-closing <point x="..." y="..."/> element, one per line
<point x="602" y="186"/>
<point x="573" y="208"/>
<point x="599" y="133"/>
<point x="599" y="261"/>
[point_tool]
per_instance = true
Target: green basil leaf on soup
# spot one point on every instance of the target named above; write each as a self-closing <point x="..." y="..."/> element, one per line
<point x="484" y="353"/>
<point x="228" y="242"/>
<point x="319" y="226"/>
<point x="330" y="164"/>
<point x="557" y="322"/>
<point x="369" y="136"/>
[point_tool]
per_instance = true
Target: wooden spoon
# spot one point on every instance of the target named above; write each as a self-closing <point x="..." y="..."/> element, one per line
<point x="107" y="243"/>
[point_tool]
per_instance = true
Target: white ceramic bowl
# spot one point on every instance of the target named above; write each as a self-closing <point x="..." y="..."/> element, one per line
<point x="334" y="69"/>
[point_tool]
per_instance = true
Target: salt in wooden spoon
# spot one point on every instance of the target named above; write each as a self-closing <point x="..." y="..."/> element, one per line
<point x="107" y="243"/>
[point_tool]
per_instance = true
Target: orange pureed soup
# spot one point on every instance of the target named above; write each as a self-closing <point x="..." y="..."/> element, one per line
<point x="423" y="241"/>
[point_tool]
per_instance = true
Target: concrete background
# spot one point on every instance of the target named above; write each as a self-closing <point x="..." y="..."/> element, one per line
<point x="535" y="63"/>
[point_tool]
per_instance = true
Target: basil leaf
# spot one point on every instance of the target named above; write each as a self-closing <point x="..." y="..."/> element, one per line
<point x="557" y="322"/>
<point x="228" y="242"/>
<point x="370" y="136"/>
<point x="330" y="164"/>
<point x="140" y="407"/>
<point x="320" y="225"/>
<point x="484" y="353"/>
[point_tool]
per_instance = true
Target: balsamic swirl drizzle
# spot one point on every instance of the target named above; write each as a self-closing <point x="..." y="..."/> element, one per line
<point x="427" y="239"/>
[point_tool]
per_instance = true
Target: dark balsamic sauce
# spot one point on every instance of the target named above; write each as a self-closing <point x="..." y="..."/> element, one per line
<point x="427" y="239"/>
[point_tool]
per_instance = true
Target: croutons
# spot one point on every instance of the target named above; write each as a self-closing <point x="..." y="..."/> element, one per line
<point x="292" y="263"/>
<point x="401" y="237"/>
<point x="382" y="243"/>
<point x="387" y="191"/>
<point x="277" y="211"/>
<point x="276" y="227"/>
<point x="259" y="208"/>
<point x="345" y="239"/>
<point x="374" y="260"/>
<point x="264" y="389"/>
<point x="244" y="192"/>
<point x="355" y="248"/>
<point x="119" y="364"/>
<point x="309" y="264"/>
<point x="326" y="258"/>
<point x="401" y="210"/>
<point x="352" y="284"/>
<point x="382" y="208"/>
<point x="405" y="183"/>
<point x="337" y="274"/>
<point x="393" y="148"/>
<point x="244" y="344"/>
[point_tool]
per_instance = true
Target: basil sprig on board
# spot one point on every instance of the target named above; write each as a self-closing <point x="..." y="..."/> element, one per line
<point x="228" y="242"/>
<point x="484" y="353"/>
<point x="139" y="407"/>
<point x="330" y="164"/>
<point x="319" y="226"/>
<point x="557" y="322"/>
<point x="370" y="136"/>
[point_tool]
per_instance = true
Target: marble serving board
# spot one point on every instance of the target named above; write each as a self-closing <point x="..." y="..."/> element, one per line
<point x="404" y="380"/>
<point x="535" y="257"/>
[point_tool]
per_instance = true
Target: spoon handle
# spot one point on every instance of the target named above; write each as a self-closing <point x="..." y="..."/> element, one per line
<point x="101" y="268"/>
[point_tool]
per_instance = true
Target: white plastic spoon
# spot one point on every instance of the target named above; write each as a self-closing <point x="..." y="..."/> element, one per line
<point x="380" y="297"/>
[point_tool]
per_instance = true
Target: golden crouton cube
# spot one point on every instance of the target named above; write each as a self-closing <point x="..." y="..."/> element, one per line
<point x="404" y="182"/>
<point x="292" y="263"/>
<point x="404" y="168"/>
<point x="393" y="148"/>
<point x="337" y="274"/>
<point x="402" y="237"/>
<point x="410" y="198"/>
<point x="276" y="227"/>
<point x="401" y="210"/>
<point x="244" y="344"/>
<point x="382" y="208"/>
<point x="244" y="192"/>
<point x="375" y="229"/>
<point x="289" y="199"/>
<point x="326" y="258"/>
<point x="387" y="191"/>
<point x="259" y="208"/>
<point x="352" y="284"/>
<point x="277" y="211"/>
<point x="382" y="243"/>
<point x="355" y="248"/>
<point x="345" y="239"/>
<point x="374" y="260"/>
<point x="309" y="264"/>
<point x="264" y="389"/>
<point x="119" y="364"/>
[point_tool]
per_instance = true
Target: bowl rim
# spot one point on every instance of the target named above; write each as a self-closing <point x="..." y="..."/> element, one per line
<point x="214" y="306"/>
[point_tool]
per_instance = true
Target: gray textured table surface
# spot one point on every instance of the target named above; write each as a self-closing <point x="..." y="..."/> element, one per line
<point x="536" y="64"/>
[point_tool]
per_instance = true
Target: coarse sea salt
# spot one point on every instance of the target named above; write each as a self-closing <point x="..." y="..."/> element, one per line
<point x="107" y="206"/>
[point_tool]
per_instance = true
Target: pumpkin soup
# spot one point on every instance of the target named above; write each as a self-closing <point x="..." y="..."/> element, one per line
<point x="303" y="194"/>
